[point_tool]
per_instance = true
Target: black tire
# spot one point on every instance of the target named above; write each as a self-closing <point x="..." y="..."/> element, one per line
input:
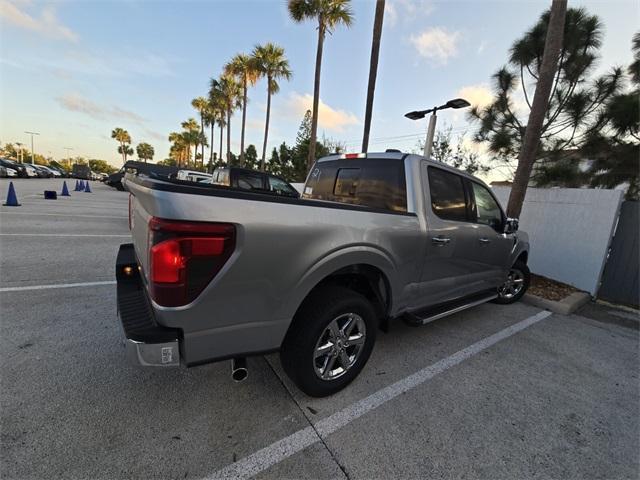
<point x="521" y="267"/>
<point x="310" y="322"/>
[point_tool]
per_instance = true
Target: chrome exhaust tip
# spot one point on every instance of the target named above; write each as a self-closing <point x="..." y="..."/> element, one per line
<point x="239" y="370"/>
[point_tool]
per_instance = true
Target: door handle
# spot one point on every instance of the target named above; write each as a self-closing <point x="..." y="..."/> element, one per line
<point x="484" y="240"/>
<point x="440" y="241"/>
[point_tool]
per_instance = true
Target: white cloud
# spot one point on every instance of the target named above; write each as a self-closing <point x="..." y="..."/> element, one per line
<point x="328" y="118"/>
<point x="46" y="24"/>
<point x="407" y="10"/>
<point x="77" y="103"/>
<point x="477" y="95"/>
<point x="436" y="44"/>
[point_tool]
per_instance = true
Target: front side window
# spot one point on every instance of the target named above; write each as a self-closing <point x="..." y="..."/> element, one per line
<point x="281" y="187"/>
<point x="487" y="209"/>
<point x="447" y="195"/>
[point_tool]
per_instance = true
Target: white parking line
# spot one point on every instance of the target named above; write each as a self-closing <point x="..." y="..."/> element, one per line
<point x="97" y="217"/>
<point x="61" y="235"/>
<point x="288" y="446"/>
<point x="57" y="285"/>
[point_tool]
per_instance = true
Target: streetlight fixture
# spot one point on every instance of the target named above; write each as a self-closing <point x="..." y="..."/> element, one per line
<point x="420" y="114"/>
<point x="32" y="155"/>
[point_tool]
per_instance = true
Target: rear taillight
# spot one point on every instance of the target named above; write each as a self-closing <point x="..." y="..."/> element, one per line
<point x="184" y="257"/>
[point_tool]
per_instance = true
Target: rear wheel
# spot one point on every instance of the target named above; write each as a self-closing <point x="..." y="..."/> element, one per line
<point x="516" y="284"/>
<point x="330" y="341"/>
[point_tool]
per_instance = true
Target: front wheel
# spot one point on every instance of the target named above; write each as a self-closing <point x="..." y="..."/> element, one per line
<point x="330" y="341"/>
<point x="516" y="284"/>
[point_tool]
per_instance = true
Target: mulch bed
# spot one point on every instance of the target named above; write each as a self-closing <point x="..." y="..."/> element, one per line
<point x="550" y="289"/>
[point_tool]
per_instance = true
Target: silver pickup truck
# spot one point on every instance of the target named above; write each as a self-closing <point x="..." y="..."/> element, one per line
<point x="219" y="273"/>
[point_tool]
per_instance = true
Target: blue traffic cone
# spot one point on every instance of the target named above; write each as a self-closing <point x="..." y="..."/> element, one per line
<point x="87" y="188"/>
<point x="65" y="190"/>
<point x="12" y="199"/>
<point x="77" y="188"/>
<point x="81" y="186"/>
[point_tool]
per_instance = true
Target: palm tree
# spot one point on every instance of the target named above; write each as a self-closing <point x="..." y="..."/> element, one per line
<point x="201" y="104"/>
<point x="210" y="121"/>
<point x="244" y="68"/>
<point x="230" y="98"/>
<point x="373" y="71"/>
<point x="178" y="147"/>
<point x="221" y="124"/>
<point x="531" y="140"/>
<point x="145" y="151"/>
<point x="329" y="14"/>
<point x="216" y="104"/>
<point x="191" y="136"/>
<point x="123" y="137"/>
<point x="272" y="64"/>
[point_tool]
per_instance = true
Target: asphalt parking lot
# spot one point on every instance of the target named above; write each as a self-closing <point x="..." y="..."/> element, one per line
<point x="493" y="392"/>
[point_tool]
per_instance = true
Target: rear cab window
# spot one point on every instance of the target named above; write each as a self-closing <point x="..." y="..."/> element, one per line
<point x="377" y="183"/>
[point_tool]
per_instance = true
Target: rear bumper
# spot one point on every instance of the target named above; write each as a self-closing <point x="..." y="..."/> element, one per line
<point x="148" y="343"/>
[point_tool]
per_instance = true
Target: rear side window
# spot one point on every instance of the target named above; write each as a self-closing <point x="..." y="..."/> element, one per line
<point x="369" y="182"/>
<point x="249" y="181"/>
<point x="447" y="195"/>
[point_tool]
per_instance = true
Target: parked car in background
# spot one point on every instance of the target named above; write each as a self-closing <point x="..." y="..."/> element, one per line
<point x="3" y="172"/>
<point x="32" y="171"/>
<point x="21" y="171"/>
<point x="56" y="167"/>
<point x="246" y="179"/>
<point x="193" y="176"/>
<point x="375" y="237"/>
<point x="153" y="169"/>
<point x="54" y="172"/>
<point x="43" y="171"/>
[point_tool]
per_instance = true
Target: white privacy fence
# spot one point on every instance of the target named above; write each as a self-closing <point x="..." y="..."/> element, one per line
<point x="570" y="230"/>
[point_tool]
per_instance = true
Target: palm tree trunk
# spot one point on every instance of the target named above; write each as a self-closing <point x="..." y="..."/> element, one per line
<point x="373" y="72"/>
<point x="531" y="140"/>
<point x="203" y="137"/>
<point x="244" y="119"/>
<point x="124" y="155"/>
<point x="221" y="130"/>
<point x="213" y="123"/>
<point x="316" y="97"/>
<point x="229" y="136"/>
<point x="266" y="125"/>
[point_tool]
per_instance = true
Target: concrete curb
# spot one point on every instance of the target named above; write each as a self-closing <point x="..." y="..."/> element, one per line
<point x="566" y="306"/>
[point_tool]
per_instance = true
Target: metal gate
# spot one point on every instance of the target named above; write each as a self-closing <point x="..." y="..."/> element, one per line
<point x="620" y="282"/>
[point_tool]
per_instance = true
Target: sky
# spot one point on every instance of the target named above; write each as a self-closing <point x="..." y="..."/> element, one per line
<point x="73" y="70"/>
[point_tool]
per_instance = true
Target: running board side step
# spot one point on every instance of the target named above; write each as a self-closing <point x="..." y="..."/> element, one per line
<point x="423" y="317"/>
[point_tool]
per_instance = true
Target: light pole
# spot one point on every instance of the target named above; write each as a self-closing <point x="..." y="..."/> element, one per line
<point x="32" y="154"/>
<point x="19" y="152"/>
<point x="68" y="149"/>
<point x="419" y="114"/>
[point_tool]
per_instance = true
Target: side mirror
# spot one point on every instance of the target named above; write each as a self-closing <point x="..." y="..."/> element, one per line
<point x="511" y="225"/>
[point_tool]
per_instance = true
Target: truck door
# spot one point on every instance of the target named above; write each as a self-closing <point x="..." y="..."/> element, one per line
<point x="451" y="269"/>
<point x="493" y="247"/>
